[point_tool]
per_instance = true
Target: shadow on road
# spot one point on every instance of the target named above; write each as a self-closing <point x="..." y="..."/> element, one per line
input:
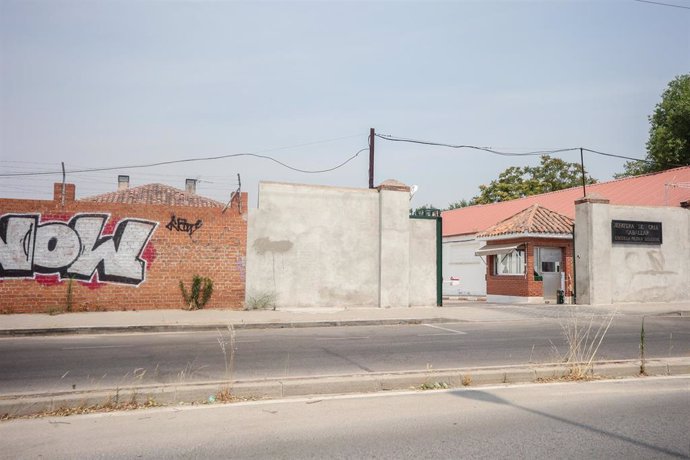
<point x="483" y="396"/>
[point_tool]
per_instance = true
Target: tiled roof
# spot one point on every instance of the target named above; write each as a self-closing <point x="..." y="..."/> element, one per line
<point x="155" y="194"/>
<point x="533" y="220"/>
<point x="667" y="188"/>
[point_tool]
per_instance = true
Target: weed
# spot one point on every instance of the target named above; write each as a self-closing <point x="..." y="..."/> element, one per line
<point x="261" y="301"/>
<point x="583" y="342"/>
<point x="224" y="395"/>
<point x="200" y="292"/>
<point x="434" y="386"/>
<point x="227" y="347"/>
<point x="643" y="369"/>
<point x="52" y="311"/>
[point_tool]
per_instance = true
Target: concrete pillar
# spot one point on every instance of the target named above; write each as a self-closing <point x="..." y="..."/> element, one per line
<point x="592" y="255"/>
<point x="394" y="237"/>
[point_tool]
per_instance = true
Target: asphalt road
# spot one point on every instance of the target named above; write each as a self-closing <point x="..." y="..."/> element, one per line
<point x="630" y="419"/>
<point x="44" y="364"/>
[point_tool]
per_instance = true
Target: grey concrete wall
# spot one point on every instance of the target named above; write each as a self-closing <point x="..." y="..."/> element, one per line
<point x="422" y="277"/>
<point x="395" y="248"/>
<point x="614" y="272"/>
<point x="317" y="246"/>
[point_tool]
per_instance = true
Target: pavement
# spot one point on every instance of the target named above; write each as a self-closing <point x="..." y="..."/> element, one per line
<point x="452" y="312"/>
<point x="176" y="320"/>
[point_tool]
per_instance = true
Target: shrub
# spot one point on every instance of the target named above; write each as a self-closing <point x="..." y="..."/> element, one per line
<point x="199" y="294"/>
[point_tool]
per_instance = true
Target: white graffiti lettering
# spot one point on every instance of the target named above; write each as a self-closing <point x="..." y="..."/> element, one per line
<point x="76" y="249"/>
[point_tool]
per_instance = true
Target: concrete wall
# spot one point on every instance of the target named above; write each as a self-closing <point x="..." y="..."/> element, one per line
<point x="615" y="272"/>
<point x="460" y="262"/>
<point x="317" y="246"/>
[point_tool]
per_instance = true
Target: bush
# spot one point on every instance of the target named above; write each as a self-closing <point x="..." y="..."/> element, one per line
<point x="200" y="294"/>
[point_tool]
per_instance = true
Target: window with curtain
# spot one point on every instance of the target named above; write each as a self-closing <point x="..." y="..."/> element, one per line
<point x="512" y="263"/>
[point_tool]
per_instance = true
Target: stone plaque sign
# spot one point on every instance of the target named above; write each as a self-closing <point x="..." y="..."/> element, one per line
<point x="630" y="231"/>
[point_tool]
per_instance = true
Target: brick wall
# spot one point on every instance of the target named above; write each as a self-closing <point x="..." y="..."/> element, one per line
<point x="525" y="285"/>
<point x="144" y="252"/>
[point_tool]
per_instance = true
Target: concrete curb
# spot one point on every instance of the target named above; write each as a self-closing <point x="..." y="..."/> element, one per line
<point x="212" y="327"/>
<point x="199" y="393"/>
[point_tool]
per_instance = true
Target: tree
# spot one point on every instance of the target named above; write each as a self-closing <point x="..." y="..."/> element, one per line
<point x="516" y="182"/>
<point x="669" y="132"/>
<point x="459" y="204"/>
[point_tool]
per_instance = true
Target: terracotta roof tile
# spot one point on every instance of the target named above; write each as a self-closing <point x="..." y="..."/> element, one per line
<point x="666" y="188"/>
<point x="155" y="194"/>
<point x="533" y="220"/>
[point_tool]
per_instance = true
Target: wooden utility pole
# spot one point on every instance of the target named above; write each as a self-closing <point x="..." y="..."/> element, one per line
<point x="372" y="136"/>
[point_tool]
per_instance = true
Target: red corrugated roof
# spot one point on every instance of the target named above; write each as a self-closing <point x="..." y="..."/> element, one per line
<point x="533" y="220"/>
<point x="667" y="188"/>
<point x="155" y="194"/>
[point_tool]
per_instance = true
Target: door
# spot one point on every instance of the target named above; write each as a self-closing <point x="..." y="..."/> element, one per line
<point x="548" y="262"/>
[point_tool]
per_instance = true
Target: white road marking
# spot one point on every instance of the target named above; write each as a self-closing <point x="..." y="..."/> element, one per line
<point x="98" y="346"/>
<point x="444" y="329"/>
<point x="341" y="338"/>
<point x="228" y="340"/>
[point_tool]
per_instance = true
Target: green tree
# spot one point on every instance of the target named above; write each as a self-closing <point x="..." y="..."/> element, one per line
<point x="458" y="204"/>
<point x="516" y="182"/>
<point x="669" y="132"/>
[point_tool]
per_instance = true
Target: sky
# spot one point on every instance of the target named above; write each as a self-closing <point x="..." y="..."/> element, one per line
<point x="99" y="84"/>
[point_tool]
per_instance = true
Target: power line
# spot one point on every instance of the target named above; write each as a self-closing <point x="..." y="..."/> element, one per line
<point x="188" y="160"/>
<point x="497" y="152"/>
<point x="474" y="147"/>
<point x="641" y="160"/>
<point x="663" y="4"/>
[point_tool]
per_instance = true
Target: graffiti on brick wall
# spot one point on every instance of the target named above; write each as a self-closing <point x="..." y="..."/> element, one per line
<point x="181" y="225"/>
<point x="75" y="249"/>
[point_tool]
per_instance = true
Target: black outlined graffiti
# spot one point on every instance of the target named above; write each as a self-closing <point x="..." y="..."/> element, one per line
<point x="181" y="225"/>
<point x="76" y="249"/>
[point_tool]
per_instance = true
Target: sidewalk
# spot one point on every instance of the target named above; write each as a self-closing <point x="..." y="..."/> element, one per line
<point x="177" y="320"/>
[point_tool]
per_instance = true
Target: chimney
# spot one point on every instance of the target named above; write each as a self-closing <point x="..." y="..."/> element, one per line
<point x="190" y="186"/>
<point x="69" y="192"/>
<point x="122" y="182"/>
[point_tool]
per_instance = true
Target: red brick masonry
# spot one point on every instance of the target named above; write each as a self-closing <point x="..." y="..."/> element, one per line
<point x="119" y="256"/>
<point x="525" y="285"/>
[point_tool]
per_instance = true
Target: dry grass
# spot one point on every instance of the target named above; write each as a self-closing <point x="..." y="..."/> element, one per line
<point x="583" y="339"/>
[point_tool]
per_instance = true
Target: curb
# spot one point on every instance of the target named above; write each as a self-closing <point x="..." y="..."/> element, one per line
<point x="203" y="393"/>
<point x="213" y="327"/>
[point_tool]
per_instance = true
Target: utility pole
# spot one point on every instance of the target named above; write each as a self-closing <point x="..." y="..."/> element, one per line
<point x="582" y="167"/>
<point x="62" y="201"/>
<point x="372" y="136"/>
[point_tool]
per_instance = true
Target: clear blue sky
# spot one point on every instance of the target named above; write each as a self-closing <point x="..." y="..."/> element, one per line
<point x="96" y="83"/>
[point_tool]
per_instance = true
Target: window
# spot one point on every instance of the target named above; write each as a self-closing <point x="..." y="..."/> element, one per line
<point x="512" y="263"/>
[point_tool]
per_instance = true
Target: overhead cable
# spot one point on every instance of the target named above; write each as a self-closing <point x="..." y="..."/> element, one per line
<point x="188" y="160"/>
<point x="663" y="4"/>
<point x="497" y="152"/>
<point x="474" y="147"/>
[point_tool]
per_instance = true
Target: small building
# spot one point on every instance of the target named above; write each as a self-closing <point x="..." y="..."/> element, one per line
<point x="464" y="274"/>
<point x="529" y="257"/>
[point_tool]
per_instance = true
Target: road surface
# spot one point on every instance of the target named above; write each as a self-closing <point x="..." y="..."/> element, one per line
<point x="629" y="419"/>
<point x="58" y="363"/>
